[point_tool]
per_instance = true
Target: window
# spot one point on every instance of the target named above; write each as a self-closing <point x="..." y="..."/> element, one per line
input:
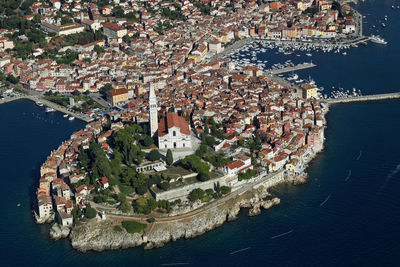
<point x="174" y="133"/>
<point x="174" y="145"/>
<point x="183" y="144"/>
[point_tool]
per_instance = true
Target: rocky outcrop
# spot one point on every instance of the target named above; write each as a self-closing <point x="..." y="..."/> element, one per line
<point x="99" y="235"/>
<point x="39" y="220"/>
<point x="58" y="231"/>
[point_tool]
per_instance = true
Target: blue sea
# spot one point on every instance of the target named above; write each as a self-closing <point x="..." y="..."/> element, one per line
<point x="346" y="215"/>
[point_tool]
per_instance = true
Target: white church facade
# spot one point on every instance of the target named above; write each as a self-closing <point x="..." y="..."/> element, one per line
<point x="173" y="131"/>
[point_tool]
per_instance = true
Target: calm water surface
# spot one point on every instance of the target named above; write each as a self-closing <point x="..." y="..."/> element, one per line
<point x="357" y="225"/>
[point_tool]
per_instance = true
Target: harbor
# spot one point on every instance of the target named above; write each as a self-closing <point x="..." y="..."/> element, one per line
<point x="50" y="105"/>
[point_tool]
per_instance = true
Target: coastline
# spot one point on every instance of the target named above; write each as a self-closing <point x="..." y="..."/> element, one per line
<point x="49" y="104"/>
<point x="98" y="235"/>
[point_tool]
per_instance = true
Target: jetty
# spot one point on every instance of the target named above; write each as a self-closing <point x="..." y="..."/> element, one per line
<point x="293" y="68"/>
<point x="363" y="98"/>
<point x="49" y="104"/>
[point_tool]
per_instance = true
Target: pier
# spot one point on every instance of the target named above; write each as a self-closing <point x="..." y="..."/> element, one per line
<point x="363" y="98"/>
<point x="290" y="69"/>
<point x="49" y="104"/>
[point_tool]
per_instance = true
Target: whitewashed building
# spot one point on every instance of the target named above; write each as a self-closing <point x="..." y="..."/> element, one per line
<point x="174" y="133"/>
<point x="45" y="206"/>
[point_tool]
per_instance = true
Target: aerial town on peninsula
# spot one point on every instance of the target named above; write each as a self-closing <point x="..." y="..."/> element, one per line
<point x="189" y="128"/>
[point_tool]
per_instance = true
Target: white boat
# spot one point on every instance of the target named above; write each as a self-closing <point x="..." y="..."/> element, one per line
<point x="378" y="40"/>
<point x="344" y="53"/>
<point x="309" y="55"/>
<point x="50" y="110"/>
<point x="65" y="115"/>
<point x="71" y="118"/>
<point x="383" y="25"/>
<point x="40" y="104"/>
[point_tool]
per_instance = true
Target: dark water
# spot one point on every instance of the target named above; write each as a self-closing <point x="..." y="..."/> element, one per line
<point x="371" y="69"/>
<point x="357" y="225"/>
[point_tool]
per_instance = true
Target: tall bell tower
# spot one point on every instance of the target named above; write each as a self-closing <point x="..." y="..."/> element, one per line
<point x="153" y="111"/>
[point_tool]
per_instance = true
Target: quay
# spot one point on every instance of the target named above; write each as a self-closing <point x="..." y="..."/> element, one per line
<point x="290" y="69"/>
<point x="375" y="97"/>
<point x="50" y="105"/>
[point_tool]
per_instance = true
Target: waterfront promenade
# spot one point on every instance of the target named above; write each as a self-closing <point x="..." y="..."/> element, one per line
<point x="363" y="98"/>
<point x="49" y="104"/>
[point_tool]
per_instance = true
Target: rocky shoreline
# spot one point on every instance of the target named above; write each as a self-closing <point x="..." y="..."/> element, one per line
<point x="99" y="235"/>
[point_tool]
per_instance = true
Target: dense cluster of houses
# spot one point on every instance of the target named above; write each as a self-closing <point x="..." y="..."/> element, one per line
<point x="290" y="121"/>
<point x="162" y="58"/>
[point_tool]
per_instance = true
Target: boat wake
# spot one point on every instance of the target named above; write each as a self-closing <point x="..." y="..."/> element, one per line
<point x="359" y="156"/>
<point x="348" y="176"/>
<point x="389" y="177"/>
<point x="277" y="236"/>
<point x="237" y="251"/>
<point x="175" y="264"/>
<point x="326" y="199"/>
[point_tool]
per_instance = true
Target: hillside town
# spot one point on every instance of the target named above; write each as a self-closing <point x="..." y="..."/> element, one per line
<point x="189" y="129"/>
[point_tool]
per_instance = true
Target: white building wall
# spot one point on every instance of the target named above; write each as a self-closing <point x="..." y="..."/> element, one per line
<point x="171" y="141"/>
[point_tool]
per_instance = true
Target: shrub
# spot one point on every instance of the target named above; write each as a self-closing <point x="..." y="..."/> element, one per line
<point x="225" y="189"/>
<point x="164" y="186"/>
<point x="151" y="220"/>
<point x="90" y="212"/>
<point x="196" y="194"/>
<point x="154" y="155"/>
<point x="99" y="199"/>
<point x="117" y="228"/>
<point x="133" y="227"/>
<point x="203" y="176"/>
<point x="141" y="190"/>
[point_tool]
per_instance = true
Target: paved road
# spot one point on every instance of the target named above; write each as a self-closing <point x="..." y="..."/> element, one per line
<point x="97" y="97"/>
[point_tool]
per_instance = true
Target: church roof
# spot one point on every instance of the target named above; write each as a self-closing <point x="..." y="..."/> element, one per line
<point x="170" y="121"/>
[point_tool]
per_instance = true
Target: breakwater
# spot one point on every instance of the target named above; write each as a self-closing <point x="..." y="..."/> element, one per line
<point x="49" y="104"/>
<point x="374" y="97"/>
<point x="293" y="68"/>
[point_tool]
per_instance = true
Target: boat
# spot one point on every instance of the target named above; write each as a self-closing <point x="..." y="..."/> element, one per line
<point x="40" y="104"/>
<point x="344" y="53"/>
<point x="383" y="25"/>
<point x="309" y="55"/>
<point x="71" y="118"/>
<point x="65" y="115"/>
<point x="50" y="110"/>
<point x="378" y="40"/>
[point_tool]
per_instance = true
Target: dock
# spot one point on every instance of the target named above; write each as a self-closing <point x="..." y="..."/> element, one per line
<point x="49" y="104"/>
<point x="363" y="98"/>
<point x="290" y="69"/>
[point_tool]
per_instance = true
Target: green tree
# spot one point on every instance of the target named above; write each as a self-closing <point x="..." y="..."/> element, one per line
<point x="125" y="207"/>
<point x="142" y="189"/>
<point x="170" y="158"/>
<point x="148" y="141"/>
<point x="90" y="212"/>
<point x="225" y="189"/>
<point x="196" y="194"/>
<point x="203" y="176"/>
<point x="154" y="155"/>
<point x="164" y="186"/>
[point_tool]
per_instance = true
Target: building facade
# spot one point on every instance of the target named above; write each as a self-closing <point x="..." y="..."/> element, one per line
<point x="174" y="133"/>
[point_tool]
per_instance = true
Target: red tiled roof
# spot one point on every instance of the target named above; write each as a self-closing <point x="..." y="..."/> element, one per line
<point x="119" y="91"/>
<point x="170" y="121"/>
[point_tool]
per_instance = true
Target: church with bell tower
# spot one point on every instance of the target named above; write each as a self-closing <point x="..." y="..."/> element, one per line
<point x="173" y="131"/>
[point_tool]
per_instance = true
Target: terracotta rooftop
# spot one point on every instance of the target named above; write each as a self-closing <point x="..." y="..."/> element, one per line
<point x="170" y="121"/>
